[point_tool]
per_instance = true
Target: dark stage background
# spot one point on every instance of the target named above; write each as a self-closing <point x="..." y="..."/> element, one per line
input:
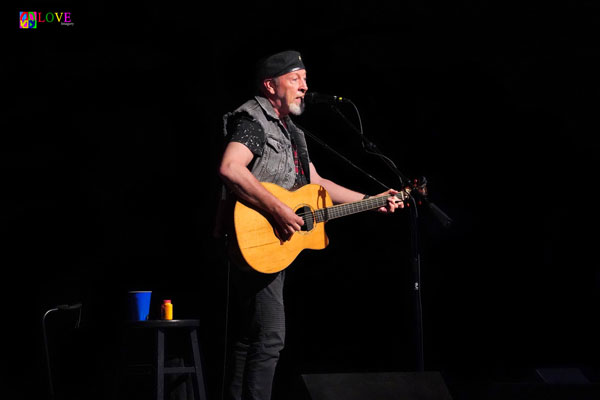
<point x="111" y="136"/>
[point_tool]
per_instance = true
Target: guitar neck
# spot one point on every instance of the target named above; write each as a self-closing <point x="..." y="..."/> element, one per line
<point x="342" y="210"/>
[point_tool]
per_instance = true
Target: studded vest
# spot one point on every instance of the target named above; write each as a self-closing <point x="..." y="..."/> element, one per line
<point x="276" y="165"/>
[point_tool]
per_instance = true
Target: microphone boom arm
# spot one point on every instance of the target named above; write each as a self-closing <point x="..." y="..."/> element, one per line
<point x="371" y="148"/>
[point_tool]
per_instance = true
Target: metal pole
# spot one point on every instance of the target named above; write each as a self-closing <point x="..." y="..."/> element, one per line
<point x="50" y="383"/>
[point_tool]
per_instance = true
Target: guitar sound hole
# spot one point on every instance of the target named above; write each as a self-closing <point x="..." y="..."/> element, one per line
<point x="306" y="214"/>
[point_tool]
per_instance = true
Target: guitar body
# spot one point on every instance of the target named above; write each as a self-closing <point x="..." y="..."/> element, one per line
<point x="257" y="242"/>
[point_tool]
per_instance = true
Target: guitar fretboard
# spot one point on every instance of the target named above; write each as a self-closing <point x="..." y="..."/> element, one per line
<point x="342" y="210"/>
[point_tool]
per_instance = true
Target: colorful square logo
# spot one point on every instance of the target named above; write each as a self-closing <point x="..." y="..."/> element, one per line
<point x="27" y="20"/>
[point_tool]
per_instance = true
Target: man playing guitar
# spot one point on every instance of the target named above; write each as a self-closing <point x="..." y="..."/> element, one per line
<point x="264" y="145"/>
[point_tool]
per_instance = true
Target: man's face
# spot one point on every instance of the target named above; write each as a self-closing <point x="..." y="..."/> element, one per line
<point x="287" y="92"/>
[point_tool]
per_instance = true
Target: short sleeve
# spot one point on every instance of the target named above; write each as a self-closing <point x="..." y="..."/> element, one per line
<point x="243" y="129"/>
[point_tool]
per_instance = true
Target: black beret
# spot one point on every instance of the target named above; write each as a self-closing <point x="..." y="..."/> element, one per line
<point x="279" y="64"/>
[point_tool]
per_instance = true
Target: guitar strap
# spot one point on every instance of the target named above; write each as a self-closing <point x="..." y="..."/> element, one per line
<point x="300" y="159"/>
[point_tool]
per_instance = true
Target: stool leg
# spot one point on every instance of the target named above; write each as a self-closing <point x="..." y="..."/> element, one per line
<point x="198" y="376"/>
<point x="160" y="364"/>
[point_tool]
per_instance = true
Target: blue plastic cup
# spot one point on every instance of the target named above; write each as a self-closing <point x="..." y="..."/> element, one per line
<point x="139" y="304"/>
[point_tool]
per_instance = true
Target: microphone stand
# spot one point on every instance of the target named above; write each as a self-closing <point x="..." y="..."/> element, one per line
<point x="415" y="258"/>
<point x="370" y="147"/>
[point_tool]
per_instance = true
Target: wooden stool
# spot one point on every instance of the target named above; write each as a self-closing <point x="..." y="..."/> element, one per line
<point x="161" y="327"/>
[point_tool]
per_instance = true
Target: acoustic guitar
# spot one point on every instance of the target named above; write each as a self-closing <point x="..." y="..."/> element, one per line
<point x="257" y="241"/>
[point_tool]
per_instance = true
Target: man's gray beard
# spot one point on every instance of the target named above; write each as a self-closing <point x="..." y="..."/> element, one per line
<point x="296" y="109"/>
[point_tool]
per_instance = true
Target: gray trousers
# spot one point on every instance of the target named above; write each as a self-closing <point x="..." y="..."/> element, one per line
<point x="258" y="334"/>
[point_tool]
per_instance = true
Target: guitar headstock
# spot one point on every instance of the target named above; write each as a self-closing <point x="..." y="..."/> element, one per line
<point x="415" y="186"/>
<point x="420" y="185"/>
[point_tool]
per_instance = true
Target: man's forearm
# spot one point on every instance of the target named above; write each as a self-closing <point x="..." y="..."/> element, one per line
<point x="245" y="185"/>
<point x="340" y="194"/>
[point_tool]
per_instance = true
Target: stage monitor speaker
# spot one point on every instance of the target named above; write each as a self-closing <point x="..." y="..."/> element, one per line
<point x="376" y="386"/>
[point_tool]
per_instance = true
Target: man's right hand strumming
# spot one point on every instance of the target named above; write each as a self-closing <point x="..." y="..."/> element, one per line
<point x="286" y="222"/>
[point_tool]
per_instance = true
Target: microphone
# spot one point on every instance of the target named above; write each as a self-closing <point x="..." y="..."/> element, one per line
<point x="315" y="98"/>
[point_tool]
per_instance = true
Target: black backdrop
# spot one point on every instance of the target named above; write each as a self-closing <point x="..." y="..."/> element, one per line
<point x="112" y="134"/>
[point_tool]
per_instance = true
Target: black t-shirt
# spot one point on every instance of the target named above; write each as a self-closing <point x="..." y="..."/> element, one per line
<point x="242" y="129"/>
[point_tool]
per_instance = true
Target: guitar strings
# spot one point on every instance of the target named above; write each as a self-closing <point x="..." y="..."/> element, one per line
<point x="313" y="216"/>
<point x="370" y="202"/>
